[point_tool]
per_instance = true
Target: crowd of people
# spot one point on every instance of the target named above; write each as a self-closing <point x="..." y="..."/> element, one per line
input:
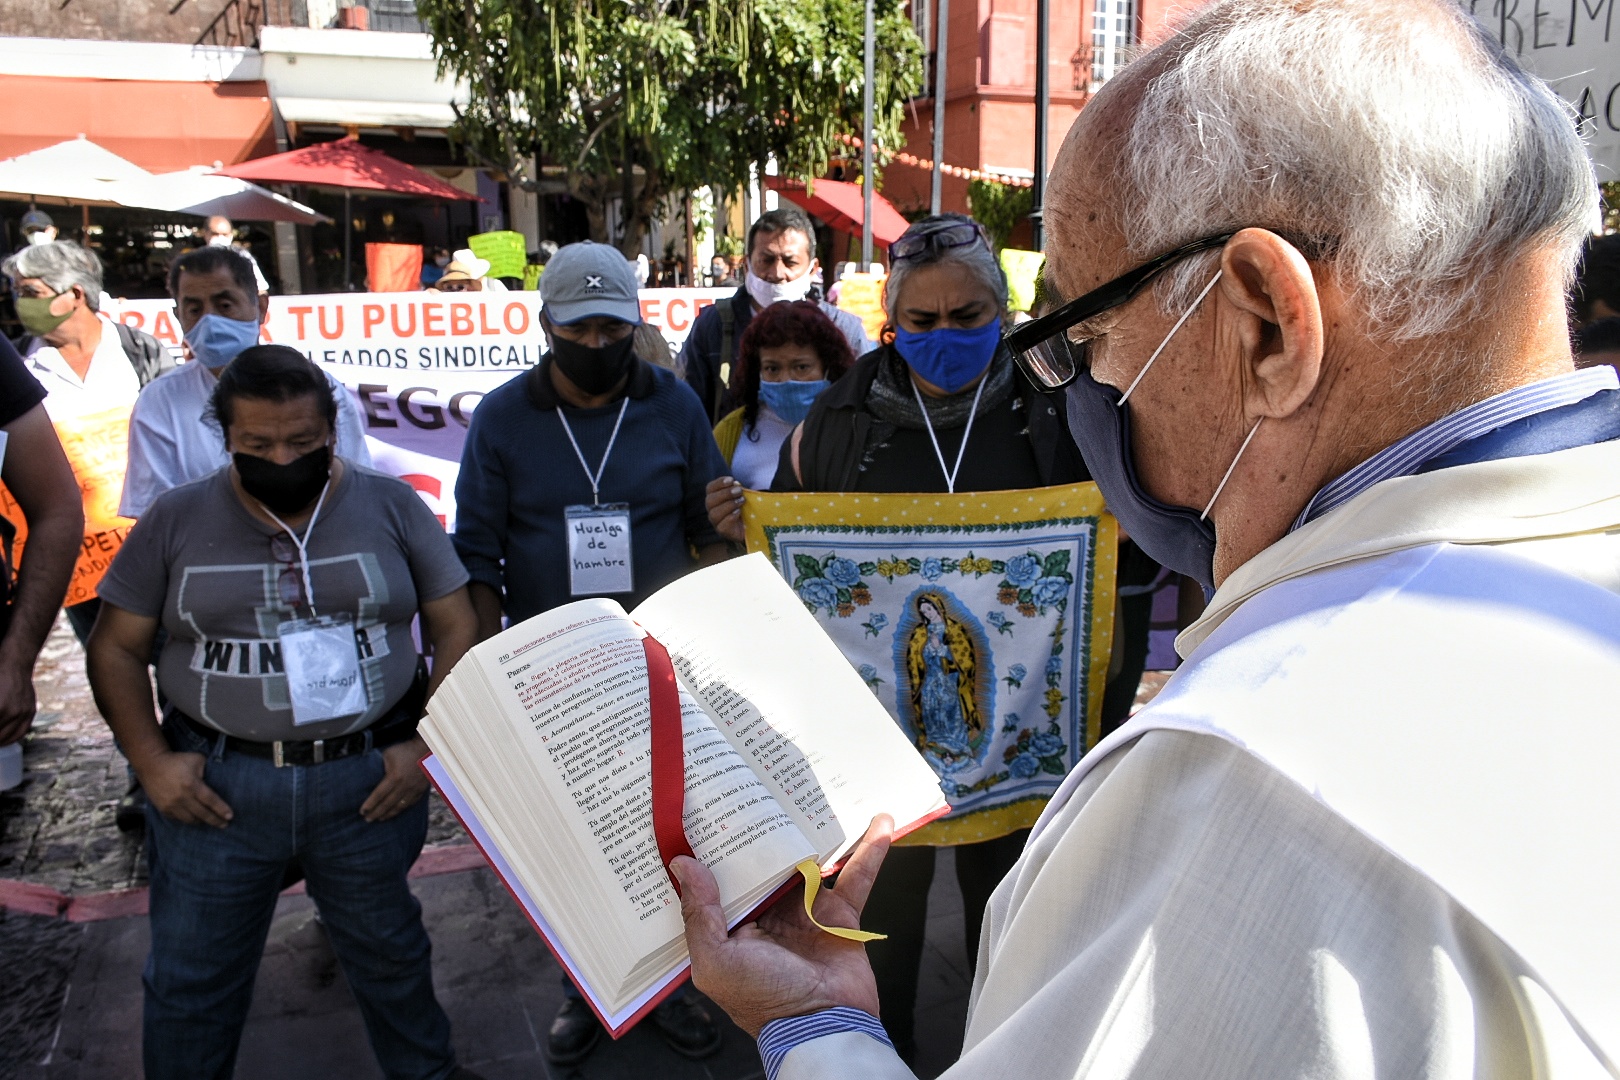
<point x="1273" y="451"/>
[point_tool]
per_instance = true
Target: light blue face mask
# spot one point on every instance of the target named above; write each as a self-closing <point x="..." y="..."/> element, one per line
<point x="791" y="400"/>
<point x="216" y="340"/>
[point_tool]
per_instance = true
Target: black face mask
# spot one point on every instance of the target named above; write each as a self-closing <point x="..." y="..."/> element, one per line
<point x="595" y="371"/>
<point x="285" y="489"/>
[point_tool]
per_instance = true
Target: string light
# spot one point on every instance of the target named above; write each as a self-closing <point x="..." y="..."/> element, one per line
<point x="949" y="170"/>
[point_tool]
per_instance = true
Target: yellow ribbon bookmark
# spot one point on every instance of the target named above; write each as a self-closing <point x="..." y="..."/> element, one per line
<point x="812" y="886"/>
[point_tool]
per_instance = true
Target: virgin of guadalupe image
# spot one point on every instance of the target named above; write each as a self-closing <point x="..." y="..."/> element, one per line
<point x="941" y="669"/>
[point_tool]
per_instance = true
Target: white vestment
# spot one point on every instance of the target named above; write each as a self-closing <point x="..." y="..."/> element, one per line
<point x="1368" y="830"/>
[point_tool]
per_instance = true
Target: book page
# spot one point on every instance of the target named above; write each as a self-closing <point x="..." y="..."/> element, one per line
<point x="786" y="698"/>
<point x="581" y="691"/>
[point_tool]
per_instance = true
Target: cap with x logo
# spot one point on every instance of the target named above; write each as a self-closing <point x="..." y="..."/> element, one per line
<point x="589" y="280"/>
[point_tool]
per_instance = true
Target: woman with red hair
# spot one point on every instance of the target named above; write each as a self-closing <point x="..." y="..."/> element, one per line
<point x="789" y="354"/>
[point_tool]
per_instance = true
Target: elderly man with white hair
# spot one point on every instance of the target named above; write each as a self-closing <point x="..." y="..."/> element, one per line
<point x="1317" y="358"/>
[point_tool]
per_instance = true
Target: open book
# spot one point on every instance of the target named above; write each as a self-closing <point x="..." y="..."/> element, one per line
<point x="541" y="743"/>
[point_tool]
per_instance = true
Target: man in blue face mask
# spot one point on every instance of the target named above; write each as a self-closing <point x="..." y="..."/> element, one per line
<point x="221" y="313"/>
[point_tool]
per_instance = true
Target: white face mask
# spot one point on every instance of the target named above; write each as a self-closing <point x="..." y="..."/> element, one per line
<point x="40" y="238"/>
<point x="220" y="240"/>
<point x="765" y="293"/>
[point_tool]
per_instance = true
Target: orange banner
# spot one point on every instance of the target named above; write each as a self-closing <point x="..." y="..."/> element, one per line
<point x="96" y="446"/>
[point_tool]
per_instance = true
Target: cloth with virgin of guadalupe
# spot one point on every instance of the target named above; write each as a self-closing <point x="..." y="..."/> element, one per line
<point x="984" y="622"/>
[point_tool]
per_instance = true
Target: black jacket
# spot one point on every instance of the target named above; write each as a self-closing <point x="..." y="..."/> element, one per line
<point x="835" y="433"/>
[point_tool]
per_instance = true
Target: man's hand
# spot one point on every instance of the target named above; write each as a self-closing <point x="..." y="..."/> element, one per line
<point x="16" y="702"/>
<point x="723" y="499"/>
<point x="174" y="784"/>
<point x="403" y="781"/>
<point x="782" y="965"/>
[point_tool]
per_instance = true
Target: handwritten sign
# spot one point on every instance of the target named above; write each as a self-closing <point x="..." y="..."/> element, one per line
<point x="1575" y="46"/>
<point x="96" y="446"/>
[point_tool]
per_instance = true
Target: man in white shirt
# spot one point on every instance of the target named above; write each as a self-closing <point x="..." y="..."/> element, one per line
<point x="172" y="440"/>
<point x="86" y="363"/>
<point x="1317" y="355"/>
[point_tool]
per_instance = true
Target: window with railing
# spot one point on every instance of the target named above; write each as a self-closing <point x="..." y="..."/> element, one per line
<point x="1113" y="32"/>
<point x="397" y="16"/>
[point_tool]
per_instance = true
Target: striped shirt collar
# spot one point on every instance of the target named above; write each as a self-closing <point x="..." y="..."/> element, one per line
<point x="1427" y="443"/>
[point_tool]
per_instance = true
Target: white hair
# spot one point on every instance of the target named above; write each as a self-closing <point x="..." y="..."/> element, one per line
<point x="1402" y="146"/>
<point x="61" y="264"/>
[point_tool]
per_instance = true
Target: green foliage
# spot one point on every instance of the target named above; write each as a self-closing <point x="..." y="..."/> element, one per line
<point x="688" y="92"/>
<point x="999" y="208"/>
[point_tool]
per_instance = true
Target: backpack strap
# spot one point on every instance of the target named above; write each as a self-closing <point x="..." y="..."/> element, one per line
<point x="146" y="353"/>
<point x="722" y="374"/>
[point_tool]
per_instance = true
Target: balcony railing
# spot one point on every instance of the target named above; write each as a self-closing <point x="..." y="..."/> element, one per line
<point x="239" y="21"/>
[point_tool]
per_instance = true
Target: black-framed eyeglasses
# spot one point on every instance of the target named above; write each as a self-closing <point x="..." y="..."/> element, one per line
<point x="1044" y="349"/>
<point x="955" y="235"/>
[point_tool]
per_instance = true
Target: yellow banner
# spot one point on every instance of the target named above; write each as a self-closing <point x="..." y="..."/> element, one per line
<point x="861" y="294"/>
<point x="97" y="446"/>
<point x="984" y="623"/>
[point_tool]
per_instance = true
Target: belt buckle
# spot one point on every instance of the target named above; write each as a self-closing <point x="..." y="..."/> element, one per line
<point x="276" y="755"/>
<point x="319" y="746"/>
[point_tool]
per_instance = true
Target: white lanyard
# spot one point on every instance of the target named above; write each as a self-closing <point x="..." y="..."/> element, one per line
<point x="950" y="474"/>
<point x="302" y="543"/>
<point x="595" y="479"/>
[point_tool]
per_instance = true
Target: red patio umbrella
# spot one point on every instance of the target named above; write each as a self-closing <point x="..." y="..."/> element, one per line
<point x="840" y="205"/>
<point x="348" y="164"/>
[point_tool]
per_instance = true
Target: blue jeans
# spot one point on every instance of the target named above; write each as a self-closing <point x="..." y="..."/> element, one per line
<point x="213" y="894"/>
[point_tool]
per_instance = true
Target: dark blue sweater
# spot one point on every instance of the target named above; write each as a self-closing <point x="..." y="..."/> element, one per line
<point x="518" y="472"/>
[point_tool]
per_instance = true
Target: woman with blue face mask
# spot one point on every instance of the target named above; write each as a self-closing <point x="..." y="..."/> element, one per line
<point x="789" y="354"/>
<point x="938" y="407"/>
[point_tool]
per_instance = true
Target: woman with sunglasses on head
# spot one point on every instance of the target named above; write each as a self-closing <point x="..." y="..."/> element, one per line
<point x="287" y="582"/>
<point x="938" y="407"/>
<point x="790" y="353"/>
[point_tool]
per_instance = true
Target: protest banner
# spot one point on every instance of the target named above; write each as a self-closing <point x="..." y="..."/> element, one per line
<point x="983" y="622"/>
<point x="1573" y="44"/>
<point x="418" y="363"/>
<point x="96" y="446"/>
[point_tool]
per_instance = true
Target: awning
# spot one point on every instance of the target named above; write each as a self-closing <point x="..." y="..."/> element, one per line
<point x="347" y="112"/>
<point x="160" y="126"/>
<point x="346" y="163"/>
<point x="842" y="206"/>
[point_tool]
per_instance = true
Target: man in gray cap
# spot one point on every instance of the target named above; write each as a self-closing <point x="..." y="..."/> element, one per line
<point x="590" y="442"/>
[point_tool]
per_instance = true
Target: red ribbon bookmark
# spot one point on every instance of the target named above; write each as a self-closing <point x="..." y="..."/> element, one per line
<point x="668" y="756"/>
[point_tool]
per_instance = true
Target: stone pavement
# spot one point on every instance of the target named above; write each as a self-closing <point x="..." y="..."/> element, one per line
<point x="80" y="1018"/>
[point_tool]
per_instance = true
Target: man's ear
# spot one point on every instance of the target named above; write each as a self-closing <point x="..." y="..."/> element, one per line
<point x="1271" y="289"/>
<point x="264" y="309"/>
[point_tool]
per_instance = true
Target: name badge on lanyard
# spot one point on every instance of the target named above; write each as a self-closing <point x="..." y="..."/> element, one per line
<point x="599" y="549"/>
<point x="319" y="655"/>
<point x="322" y="665"/>
<point x="599" y="534"/>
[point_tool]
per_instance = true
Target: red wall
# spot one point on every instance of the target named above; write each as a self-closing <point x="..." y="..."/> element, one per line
<point x="990" y="102"/>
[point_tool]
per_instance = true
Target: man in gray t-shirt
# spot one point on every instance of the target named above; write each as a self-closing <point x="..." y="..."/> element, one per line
<point x="206" y="568"/>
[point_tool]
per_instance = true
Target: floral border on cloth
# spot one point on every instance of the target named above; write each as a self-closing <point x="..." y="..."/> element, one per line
<point x="1030" y="584"/>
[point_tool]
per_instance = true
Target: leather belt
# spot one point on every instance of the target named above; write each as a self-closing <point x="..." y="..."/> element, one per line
<point x="394" y="726"/>
<point x="308" y="751"/>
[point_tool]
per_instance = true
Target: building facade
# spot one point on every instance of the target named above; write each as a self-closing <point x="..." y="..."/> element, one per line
<point x="990" y="63"/>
